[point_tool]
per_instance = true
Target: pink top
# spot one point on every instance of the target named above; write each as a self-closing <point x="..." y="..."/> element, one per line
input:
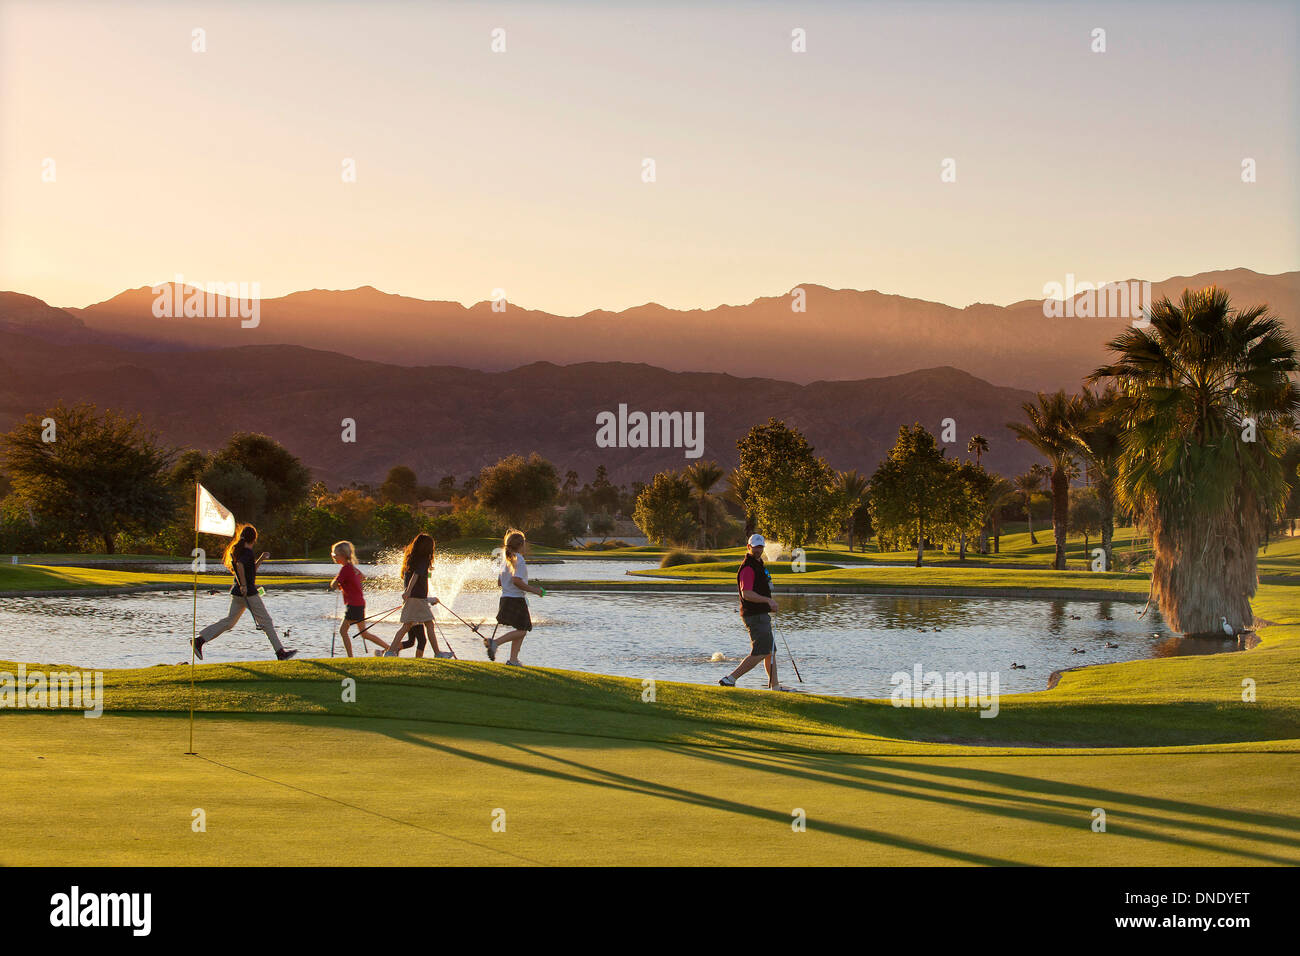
<point x="746" y="579"/>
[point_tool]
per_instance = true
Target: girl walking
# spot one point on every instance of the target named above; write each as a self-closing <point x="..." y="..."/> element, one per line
<point x="243" y="562"/>
<point x="512" y="610"/>
<point x="417" y="606"/>
<point x="348" y="580"/>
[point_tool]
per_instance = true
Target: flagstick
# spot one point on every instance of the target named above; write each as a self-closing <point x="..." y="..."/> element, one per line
<point x="194" y="617"/>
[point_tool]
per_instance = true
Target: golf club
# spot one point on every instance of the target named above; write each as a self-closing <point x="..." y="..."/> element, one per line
<point x="792" y="663"/>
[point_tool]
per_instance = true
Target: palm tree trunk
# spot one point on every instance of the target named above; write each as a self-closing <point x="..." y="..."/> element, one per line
<point x="1029" y="517"/>
<point x="1060" y="512"/>
<point x="920" y="544"/>
<point x="1106" y="496"/>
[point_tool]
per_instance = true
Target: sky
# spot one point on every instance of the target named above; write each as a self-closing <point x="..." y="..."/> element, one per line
<point x="523" y="170"/>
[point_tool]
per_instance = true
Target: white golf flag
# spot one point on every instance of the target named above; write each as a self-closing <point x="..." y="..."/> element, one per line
<point x="211" y="516"/>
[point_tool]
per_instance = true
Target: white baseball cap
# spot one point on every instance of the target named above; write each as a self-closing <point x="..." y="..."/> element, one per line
<point x="757" y="541"/>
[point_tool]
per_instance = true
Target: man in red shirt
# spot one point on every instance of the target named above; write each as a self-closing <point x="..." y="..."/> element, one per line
<point x="756" y="608"/>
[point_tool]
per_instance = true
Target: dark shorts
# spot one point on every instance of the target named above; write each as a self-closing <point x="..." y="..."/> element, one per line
<point x="513" y="613"/>
<point x="760" y="633"/>
<point x="354" y="612"/>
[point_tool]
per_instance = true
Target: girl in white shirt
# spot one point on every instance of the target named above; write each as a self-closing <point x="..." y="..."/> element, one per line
<point x="512" y="611"/>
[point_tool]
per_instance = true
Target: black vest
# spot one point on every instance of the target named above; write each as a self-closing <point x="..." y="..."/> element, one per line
<point x="762" y="585"/>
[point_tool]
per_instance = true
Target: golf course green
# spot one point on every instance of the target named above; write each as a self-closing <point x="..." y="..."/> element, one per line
<point x="1193" y="761"/>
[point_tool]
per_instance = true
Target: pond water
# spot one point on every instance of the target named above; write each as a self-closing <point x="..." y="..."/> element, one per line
<point x="845" y="644"/>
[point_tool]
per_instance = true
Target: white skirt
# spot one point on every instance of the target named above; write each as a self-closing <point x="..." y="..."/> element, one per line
<point x="417" y="611"/>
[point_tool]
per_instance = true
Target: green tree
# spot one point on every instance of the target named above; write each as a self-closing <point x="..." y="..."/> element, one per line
<point x="915" y="491"/>
<point x="665" y="510"/>
<point x="603" y="524"/>
<point x="852" y="489"/>
<point x="285" y="478"/>
<point x="400" y="487"/>
<point x="100" y="475"/>
<point x="1028" y="485"/>
<point x="1085" y="517"/>
<point x="1206" y="399"/>
<point x="393" y="524"/>
<point x="977" y="446"/>
<point x="604" y="496"/>
<point x="519" y="489"/>
<point x="790" y="491"/>
<point x="1098" y="435"/>
<point x="1052" y="421"/>
<point x="574" y="521"/>
<point x="703" y="475"/>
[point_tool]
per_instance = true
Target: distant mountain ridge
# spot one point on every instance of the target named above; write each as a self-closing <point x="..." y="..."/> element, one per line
<point x="843" y="334"/>
<point x="447" y="420"/>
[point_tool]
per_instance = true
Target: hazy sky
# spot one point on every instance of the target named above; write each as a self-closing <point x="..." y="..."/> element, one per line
<point x="522" y="170"/>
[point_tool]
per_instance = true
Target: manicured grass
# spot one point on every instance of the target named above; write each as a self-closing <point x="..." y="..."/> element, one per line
<point x="281" y="790"/>
<point x="588" y="772"/>
<point x="34" y="577"/>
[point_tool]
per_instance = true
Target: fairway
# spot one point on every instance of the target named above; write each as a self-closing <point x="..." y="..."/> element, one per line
<point x="284" y="790"/>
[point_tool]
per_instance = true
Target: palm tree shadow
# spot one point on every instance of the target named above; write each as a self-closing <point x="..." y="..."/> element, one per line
<point x="1051" y="811"/>
<point x="598" y="777"/>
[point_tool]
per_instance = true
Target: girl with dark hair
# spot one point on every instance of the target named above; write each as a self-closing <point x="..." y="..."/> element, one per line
<point x="417" y="606"/>
<point x="243" y="562"/>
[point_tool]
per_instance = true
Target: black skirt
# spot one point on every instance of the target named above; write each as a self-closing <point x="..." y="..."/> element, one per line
<point x="513" y="613"/>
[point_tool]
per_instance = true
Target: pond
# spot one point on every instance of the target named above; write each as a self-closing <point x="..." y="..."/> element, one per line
<point x="845" y="644"/>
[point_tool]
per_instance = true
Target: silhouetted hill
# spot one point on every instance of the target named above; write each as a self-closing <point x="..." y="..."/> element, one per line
<point x="446" y="420"/>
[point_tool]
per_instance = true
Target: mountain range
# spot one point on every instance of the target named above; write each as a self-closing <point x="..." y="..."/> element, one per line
<point x="447" y="389"/>
<point x="843" y="333"/>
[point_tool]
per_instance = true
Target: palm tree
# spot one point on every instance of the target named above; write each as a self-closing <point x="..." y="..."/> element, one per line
<point x="852" y="489"/>
<point x="1029" y="484"/>
<point x="737" y="494"/>
<point x="1001" y="493"/>
<point x="1051" y="419"/>
<point x="703" y="475"/>
<point x="977" y="446"/>
<point x="1098" y="436"/>
<point x="1205" y="398"/>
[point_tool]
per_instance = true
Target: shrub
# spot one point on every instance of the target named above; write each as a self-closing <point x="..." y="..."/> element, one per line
<point x="678" y="557"/>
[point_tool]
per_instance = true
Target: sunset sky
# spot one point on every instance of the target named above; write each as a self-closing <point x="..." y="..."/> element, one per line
<point x="522" y="170"/>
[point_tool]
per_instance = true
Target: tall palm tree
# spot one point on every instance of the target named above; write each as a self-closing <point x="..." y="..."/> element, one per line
<point x="703" y="475"/>
<point x="977" y="446"/>
<point x="1098" y="437"/>
<point x="1051" y="419"/>
<point x="1205" y="396"/>
<point x="1001" y="493"/>
<point x="852" y="489"/>
<point x="1028" y="485"/>
<point x="737" y="494"/>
